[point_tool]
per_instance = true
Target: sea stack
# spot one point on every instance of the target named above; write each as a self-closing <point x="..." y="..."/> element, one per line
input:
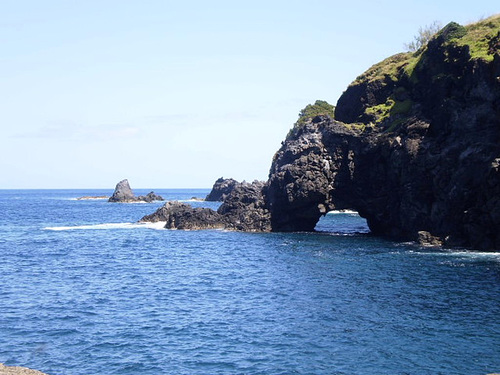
<point x="124" y="194"/>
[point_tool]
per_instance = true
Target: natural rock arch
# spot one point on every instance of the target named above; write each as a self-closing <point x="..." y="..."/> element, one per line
<point x="311" y="174"/>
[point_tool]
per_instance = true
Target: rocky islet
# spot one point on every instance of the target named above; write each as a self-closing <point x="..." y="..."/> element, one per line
<point x="124" y="194"/>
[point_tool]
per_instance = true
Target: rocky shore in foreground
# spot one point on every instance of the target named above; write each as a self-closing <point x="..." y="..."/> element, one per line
<point x="17" y="370"/>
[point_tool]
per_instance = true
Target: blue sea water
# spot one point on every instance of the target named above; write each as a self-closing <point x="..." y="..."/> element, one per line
<point x="84" y="290"/>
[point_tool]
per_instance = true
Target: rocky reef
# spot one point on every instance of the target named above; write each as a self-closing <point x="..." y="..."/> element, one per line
<point x="413" y="145"/>
<point x="124" y="194"/>
<point x="243" y="209"/>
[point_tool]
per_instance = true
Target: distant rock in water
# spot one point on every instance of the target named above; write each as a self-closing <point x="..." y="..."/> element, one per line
<point x="243" y="209"/>
<point x="221" y="189"/>
<point x="124" y="194"/>
<point x="150" y="197"/>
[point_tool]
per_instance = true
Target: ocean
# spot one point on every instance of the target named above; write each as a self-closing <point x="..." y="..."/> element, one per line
<point x="85" y="290"/>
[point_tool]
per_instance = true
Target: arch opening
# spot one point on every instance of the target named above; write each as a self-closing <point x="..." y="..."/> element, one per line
<point x="342" y="222"/>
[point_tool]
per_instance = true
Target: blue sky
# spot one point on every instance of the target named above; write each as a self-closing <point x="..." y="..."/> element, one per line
<point x="176" y="94"/>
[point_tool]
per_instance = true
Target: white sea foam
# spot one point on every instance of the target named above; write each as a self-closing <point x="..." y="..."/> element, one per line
<point x="157" y="225"/>
<point x="474" y="254"/>
<point x="461" y="254"/>
<point x="87" y="199"/>
<point x="337" y="212"/>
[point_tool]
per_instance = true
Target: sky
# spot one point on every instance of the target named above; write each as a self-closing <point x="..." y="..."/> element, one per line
<point x="175" y="94"/>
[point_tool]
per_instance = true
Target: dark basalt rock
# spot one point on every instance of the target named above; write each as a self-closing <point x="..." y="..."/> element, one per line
<point x="242" y="210"/>
<point x="429" y="171"/>
<point x="150" y="197"/>
<point x="417" y="152"/>
<point x="314" y="162"/>
<point x="183" y="216"/>
<point x="124" y="194"/>
<point x="221" y="189"/>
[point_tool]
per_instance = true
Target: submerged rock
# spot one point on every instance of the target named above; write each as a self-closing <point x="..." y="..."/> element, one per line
<point x="124" y="194"/>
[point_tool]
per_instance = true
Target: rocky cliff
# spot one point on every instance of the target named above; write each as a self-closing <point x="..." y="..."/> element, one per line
<point x="414" y="147"/>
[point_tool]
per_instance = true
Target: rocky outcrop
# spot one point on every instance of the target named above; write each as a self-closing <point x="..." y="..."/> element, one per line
<point x="420" y="155"/>
<point x="311" y="174"/>
<point x="221" y="189"/>
<point x="124" y="194"/>
<point x="92" y="197"/>
<point x="414" y="148"/>
<point x="243" y="209"/>
<point x="178" y="215"/>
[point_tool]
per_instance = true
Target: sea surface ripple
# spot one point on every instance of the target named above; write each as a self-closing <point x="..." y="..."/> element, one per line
<point x="130" y="299"/>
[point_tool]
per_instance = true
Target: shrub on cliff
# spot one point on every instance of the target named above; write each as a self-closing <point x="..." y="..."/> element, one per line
<point x="320" y="107"/>
<point x="424" y="35"/>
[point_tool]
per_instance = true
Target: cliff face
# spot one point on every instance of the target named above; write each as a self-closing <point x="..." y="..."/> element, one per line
<point x="415" y="146"/>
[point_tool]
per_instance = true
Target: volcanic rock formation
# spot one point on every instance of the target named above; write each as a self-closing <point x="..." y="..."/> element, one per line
<point x="418" y="148"/>
<point x="221" y="189"/>
<point x="243" y="209"/>
<point x="124" y="194"/>
<point x="413" y="146"/>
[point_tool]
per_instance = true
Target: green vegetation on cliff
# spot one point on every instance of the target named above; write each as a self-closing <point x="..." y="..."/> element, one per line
<point x="387" y="84"/>
<point x="320" y="107"/>
<point x="482" y="38"/>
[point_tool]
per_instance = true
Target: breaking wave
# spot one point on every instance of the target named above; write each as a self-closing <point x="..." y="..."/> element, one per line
<point x="157" y="225"/>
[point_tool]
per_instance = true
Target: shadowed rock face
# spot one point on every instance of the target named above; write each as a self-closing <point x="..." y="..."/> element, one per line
<point x="417" y="153"/>
<point x="428" y="164"/>
<point x="221" y="189"/>
<point x="310" y="175"/>
<point x="124" y="194"/>
<point x="245" y="209"/>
